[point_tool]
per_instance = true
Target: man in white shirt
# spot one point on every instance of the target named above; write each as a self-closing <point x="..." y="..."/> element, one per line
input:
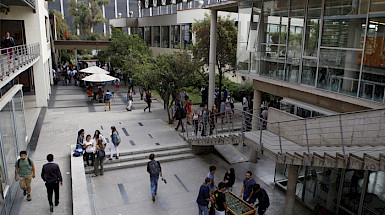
<point x="245" y="103"/>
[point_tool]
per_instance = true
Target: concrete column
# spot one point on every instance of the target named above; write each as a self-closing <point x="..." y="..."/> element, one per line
<point x="104" y="24"/>
<point x="257" y="100"/>
<point x="76" y="57"/>
<point x="41" y="91"/>
<point x="62" y="8"/>
<point x="116" y="9"/>
<point x="291" y="188"/>
<point x="212" y="57"/>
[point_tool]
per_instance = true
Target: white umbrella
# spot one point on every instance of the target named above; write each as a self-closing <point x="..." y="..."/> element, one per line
<point x="94" y="70"/>
<point x="99" y="78"/>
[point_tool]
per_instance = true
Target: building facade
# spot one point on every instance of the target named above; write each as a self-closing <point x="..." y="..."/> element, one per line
<point x="25" y="80"/>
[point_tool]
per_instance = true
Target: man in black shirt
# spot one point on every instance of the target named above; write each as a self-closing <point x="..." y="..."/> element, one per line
<point x="220" y="200"/>
<point x="51" y="175"/>
<point x="263" y="199"/>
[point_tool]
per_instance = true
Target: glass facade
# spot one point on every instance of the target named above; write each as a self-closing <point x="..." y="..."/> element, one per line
<point x="12" y="141"/>
<point x="337" y="191"/>
<point x="332" y="45"/>
<point x="175" y="36"/>
<point x="156" y="36"/>
<point x="165" y="37"/>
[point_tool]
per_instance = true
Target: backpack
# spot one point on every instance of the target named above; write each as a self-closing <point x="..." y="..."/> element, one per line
<point x="107" y="96"/>
<point x="117" y="139"/>
<point x="101" y="153"/>
<point x="29" y="162"/>
<point x="184" y="113"/>
<point x="154" y="168"/>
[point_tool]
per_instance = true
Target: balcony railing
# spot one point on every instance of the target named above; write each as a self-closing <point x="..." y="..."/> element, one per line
<point x="15" y="58"/>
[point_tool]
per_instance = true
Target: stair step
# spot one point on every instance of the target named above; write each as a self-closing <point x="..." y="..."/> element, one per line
<point x="145" y="155"/>
<point x="142" y="162"/>
<point x="153" y="150"/>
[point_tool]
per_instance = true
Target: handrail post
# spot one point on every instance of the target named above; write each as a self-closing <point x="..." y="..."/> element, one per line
<point x="280" y="141"/>
<point x="342" y="141"/>
<point x="186" y="130"/>
<point x="307" y="140"/>
<point x="260" y="133"/>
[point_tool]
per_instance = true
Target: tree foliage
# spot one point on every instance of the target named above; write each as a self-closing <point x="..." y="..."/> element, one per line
<point x="62" y="28"/>
<point x="226" y="44"/>
<point x="86" y="14"/>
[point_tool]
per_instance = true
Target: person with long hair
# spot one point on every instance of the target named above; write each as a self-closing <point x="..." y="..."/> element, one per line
<point x="229" y="179"/>
<point x="115" y="139"/>
<point x="99" y="136"/>
<point x="89" y="147"/>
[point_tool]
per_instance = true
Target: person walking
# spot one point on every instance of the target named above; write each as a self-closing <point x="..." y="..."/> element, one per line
<point x="245" y="103"/>
<point x="89" y="145"/>
<point x="100" y="154"/>
<point x="115" y="139"/>
<point x="229" y="179"/>
<point x="7" y="43"/>
<point x="220" y="205"/>
<point x="52" y="177"/>
<point x="205" y="113"/>
<point x="25" y="170"/>
<point x="195" y="121"/>
<point x="247" y="188"/>
<point x="154" y="169"/>
<point x="129" y="100"/>
<point x="148" y="100"/>
<point x="263" y="199"/>
<point x="107" y="100"/>
<point x="179" y="116"/>
<point x="213" y="119"/>
<point x="203" y="198"/>
<point x="117" y="85"/>
<point x="212" y="170"/>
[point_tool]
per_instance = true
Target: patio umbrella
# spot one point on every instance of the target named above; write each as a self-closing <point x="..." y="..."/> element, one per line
<point x="98" y="78"/>
<point x="94" y="70"/>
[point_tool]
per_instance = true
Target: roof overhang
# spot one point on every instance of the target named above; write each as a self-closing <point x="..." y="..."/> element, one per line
<point x="229" y="6"/>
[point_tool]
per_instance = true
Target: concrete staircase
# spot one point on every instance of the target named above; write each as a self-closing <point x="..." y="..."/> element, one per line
<point x="140" y="157"/>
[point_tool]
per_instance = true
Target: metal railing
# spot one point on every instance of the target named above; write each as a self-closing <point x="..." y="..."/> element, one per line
<point x="344" y="132"/>
<point x="13" y="58"/>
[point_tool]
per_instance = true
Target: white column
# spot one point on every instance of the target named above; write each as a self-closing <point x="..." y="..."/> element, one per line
<point x="128" y="8"/>
<point x="116" y="9"/>
<point x="41" y="91"/>
<point x="76" y="57"/>
<point x="291" y="188"/>
<point x="104" y="23"/>
<point x="62" y="8"/>
<point x="257" y="100"/>
<point x="212" y="57"/>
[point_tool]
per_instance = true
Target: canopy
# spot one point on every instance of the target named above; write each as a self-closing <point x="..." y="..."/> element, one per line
<point x="94" y="70"/>
<point x="99" y="78"/>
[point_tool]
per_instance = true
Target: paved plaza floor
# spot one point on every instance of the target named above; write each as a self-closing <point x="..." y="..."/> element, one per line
<point x="127" y="190"/>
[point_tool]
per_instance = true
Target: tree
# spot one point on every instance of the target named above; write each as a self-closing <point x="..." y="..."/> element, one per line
<point x="87" y="14"/>
<point x="173" y="71"/>
<point x="226" y="45"/>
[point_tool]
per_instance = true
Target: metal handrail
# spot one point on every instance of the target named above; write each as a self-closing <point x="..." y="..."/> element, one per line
<point x="13" y="58"/>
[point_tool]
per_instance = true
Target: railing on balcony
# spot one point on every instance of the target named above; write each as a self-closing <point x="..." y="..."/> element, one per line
<point x="14" y="58"/>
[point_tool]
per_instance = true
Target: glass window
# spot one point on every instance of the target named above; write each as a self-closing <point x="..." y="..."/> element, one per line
<point x="156" y="37"/>
<point x="373" y="74"/>
<point x="346" y="7"/>
<point x="20" y="120"/>
<point x="295" y="32"/>
<point x="140" y="32"/>
<point x="351" y="191"/>
<point x="312" y="27"/>
<point x="344" y="33"/>
<point x="147" y="35"/>
<point x="276" y="22"/>
<point x="309" y="70"/>
<point x="374" y="200"/>
<point x="377" y="6"/>
<point x="175" y="36"/>
<point x="8" y="137"/>
<point x="244" y="16"/>
<point x="339" y="71"/>
<point x="187" y="36"/>
<point x="165" y="36"/>
<point x="273" y="61"/>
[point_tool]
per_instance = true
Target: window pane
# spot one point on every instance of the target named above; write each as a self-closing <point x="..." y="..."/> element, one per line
<point x="352" y="189"/>
<point x="312" y="28"/>
<point x="375" y="194"/>
<point x="187" y="36"/>
<point x="273" y="61"/>
<point x="156" y="39"/>
<point x="147" y="35"/>
<point x="377" y="5"/>
<point x="345" y="7"/>
<point x="339" y="71"/>
<point x="309" y="70"/>
<point x="346" y="33"/>
<point x="244" y="16"/>
<point x="175" y="36"/>
<point x="276" y="22"/>
<point x="165" y="36"/>
<point x="20" y="120"/>
<point x="373" y="74"/>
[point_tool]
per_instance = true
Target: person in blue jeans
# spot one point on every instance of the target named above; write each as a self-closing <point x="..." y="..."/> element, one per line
<point x="247" y="188"/>
<point x="204" y="197"/>
<point x="154" y="169"/>
<point x="210" y="175"/>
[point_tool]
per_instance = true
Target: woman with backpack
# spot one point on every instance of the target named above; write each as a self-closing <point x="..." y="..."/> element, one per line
<point x="99" y="136"/>
<point x="115" y="138"/>
<point x="100" y="154"/>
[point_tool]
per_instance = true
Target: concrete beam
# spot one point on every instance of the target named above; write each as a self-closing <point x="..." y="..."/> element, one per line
<point x="212" y="57"/>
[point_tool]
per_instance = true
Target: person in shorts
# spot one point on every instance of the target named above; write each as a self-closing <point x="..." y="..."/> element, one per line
<point x="107" y="100"/>
<point x="117" y="85"/>
<point x="24" y="172"/>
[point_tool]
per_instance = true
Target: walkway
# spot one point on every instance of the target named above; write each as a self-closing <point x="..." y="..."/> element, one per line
<point x="126" y="191"/>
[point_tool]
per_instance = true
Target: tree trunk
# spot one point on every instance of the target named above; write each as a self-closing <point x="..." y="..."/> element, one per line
<point x="170" y="118"/>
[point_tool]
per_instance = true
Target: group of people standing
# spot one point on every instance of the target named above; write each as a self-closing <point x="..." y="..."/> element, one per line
<point x="214" y="195"/>
<point x="50" y="173"/>
<point x="93" y="148"/>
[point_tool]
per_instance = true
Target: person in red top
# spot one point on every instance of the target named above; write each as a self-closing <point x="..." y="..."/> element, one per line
<point x="188" y="108"/>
